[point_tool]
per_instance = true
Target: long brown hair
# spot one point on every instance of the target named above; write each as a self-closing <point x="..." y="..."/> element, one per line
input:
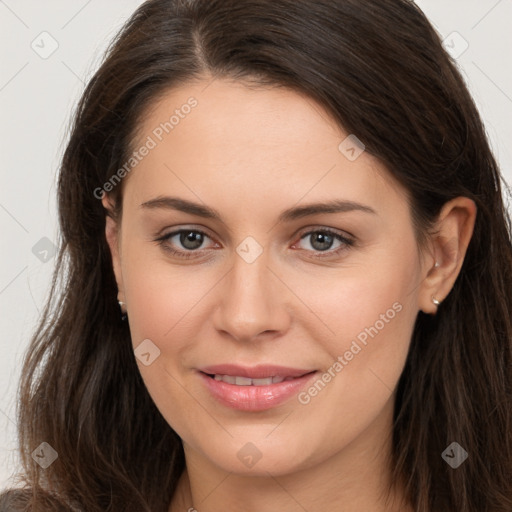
<point x="380" y="69"/>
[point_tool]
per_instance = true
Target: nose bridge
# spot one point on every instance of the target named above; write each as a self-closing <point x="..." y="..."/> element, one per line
<point x="249" y="278"/>
<point x="250" y="297"/>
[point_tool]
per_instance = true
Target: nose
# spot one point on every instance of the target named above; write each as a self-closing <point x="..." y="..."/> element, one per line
<point x="252" y="301"/>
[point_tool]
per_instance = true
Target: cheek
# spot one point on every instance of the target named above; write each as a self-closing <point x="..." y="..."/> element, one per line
<point x="161" y="297"/>
<point x="164" y="302"/>
<point x="161" y="301"/>
<point x="374" y="319"/>
<point x="372" y="304"/>
<point x="364" y="322"/>
<point x="372" y="315"/>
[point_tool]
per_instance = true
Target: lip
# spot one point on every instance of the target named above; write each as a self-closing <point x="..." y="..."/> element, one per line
<point x="254" y="398"/>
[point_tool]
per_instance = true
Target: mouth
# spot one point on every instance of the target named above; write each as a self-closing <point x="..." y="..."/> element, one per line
<point x="254" y="389"/>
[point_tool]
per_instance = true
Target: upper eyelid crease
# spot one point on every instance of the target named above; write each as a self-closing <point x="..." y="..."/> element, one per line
<point x="298" y="212"/>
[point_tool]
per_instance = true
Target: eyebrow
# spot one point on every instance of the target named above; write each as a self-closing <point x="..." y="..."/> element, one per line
<point x="297" y="212"/>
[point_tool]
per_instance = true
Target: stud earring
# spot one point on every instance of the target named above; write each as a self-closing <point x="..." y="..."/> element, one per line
<point x="435" y="301"/>
<point x="123" y="313"/>
<point x="437" y="264"/>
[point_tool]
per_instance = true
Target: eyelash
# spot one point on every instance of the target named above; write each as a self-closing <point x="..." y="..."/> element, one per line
<point x="347" y="242"/>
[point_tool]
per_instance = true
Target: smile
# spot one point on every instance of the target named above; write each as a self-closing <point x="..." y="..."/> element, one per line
<point x="253" y="389"/>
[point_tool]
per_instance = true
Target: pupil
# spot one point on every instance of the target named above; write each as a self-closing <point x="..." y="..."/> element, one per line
<point x="195" y="239"/>
<point x="325" y="239"/>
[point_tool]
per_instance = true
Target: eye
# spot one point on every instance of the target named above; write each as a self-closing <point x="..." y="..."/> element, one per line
<point x="322" y="240"/>
<point x="189" y="242"/>
<point x="189" y="239"/>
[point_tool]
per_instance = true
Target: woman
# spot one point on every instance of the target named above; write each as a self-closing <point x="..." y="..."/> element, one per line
<point x="285" y="275"/>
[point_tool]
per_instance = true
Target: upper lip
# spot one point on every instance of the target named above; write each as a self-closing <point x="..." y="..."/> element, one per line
<point x="254" y="372"/>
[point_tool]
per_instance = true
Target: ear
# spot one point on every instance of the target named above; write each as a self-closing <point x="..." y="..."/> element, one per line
<point x="449" y="242"/>
<point x="112" y="234"/>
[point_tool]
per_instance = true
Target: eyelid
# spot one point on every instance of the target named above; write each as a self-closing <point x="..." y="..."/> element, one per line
<point x="319" y="228"/>
<point x="170" y="232"/>
<point x="168" y="235"/>
<point x="347" y="240"/>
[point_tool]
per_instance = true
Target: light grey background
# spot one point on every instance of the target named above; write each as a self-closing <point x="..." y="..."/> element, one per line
<point x="38" y="92"/>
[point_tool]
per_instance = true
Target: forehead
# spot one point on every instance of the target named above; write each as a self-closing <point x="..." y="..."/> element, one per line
<point x="222" y="140"/>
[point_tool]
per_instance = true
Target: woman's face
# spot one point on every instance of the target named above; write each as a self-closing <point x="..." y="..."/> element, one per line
<point x="261" y="285"/>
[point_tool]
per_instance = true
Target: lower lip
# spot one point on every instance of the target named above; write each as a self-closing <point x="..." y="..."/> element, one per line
<point x="254" y="398"/>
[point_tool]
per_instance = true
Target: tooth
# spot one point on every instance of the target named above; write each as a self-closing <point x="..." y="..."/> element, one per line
<point x="262" y="382"/>
<point x="243" y="381"/>
<point x="229" y="379"/>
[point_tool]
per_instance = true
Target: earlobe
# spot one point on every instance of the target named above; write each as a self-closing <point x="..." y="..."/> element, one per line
<point x="453" y="233"/>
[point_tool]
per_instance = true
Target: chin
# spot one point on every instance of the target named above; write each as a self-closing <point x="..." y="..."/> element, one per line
<point x="262" y="456"/>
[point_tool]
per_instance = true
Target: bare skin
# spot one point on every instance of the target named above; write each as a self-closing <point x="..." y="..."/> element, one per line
<point x="250" y="154"/>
